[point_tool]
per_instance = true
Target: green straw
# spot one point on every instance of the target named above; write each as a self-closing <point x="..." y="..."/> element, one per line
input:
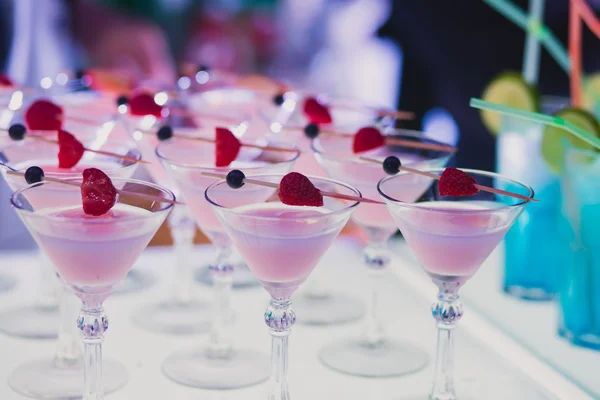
<point x="533" y="26"/>
<point x="558" y="122"/>
<point x="531" y="58"/>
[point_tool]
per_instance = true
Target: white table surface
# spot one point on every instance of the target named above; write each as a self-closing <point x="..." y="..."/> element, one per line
<point x="490" y="363"/>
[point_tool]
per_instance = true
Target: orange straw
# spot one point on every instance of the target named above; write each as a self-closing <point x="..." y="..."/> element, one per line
<point x="575" y="53"/>
<point x="588" y="16"/>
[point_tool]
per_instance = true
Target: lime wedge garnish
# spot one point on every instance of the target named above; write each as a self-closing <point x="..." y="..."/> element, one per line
<point x="508" y="89"/>
<point x="553" y="141"/>
<point x="591" y="93"/>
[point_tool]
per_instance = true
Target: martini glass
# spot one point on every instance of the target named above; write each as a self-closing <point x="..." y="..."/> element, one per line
<point x="92" y="254"/>
<point x="58" y="376"/>
<point x="218" y="365"/>
<point x="180" y="313"/>
<point x="282" y="245"/>
<point x="228" y="101"/>
<point x="451" y="237"/>
<point x="326" y="307"/>
<point x="374" y="353"/>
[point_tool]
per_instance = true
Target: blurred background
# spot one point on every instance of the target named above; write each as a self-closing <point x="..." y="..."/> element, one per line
<point x="426" y="56"/>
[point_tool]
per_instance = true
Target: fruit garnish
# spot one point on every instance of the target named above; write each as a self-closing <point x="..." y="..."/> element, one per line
<point x="34" y="175"/>
<point x="454" y="182"/>
<point x="5" y="81"/>
<point x="554" y="139"/>
<point x="591" y="92"/>
<point x="227" y="147"/>
<point x="17" y="131"/>
<point x="391" y="165"/>
<point x="311" y="130"/>
<point x="278" y="99"/>
<point x="509" y="89"/>
<point x="165" y="132"/>
<point x="143" y="104"/>
<point x="316" y="112"/>
<point x="235" y="179"/>
<point x="296" y="189"/>
<point x="366" y="139"/>
<point x="122" y="100"/>
<point x="44" y="115"/>
<point x="98" y="194"/>
<point x="70" y="150"/>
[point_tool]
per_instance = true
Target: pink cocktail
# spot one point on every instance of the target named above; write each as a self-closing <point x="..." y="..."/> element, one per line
<point x="374" y="353"/>
<point x="92" y="254"/>
<point x="219" y="366"/>
<point x="451" y="237"/>
<point x="282" y="244"/>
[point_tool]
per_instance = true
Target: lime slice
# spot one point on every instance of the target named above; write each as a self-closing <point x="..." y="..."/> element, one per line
<point x="553" y="141"/>
<point x="508" y="89"/>
<point x="591" y="93"/>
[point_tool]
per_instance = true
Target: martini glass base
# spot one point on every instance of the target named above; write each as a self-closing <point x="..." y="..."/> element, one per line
<point x="355" y="357"/>
<point x="242" y="277"/>
<point x="7" y="282"/>
<point x="30" y="322"/>
<point x="529" y="293"/>
<point x="329" y="309"/>
<point x="43" y="379"/>
<point x="175" y="318"/>
<point x="196" y="369"/>
<point x="135" y="281"/>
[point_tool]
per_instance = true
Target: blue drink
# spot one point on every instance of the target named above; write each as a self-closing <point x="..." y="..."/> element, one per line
<point x="579" y="296"/>
<point x="533" y="248"/>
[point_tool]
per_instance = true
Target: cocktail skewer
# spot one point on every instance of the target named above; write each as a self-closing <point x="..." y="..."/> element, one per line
<point x="276" y="186"/>
<point x="12" y="171"/>
<point x="313" y="130"/>
<point x="18" y="131"/>
<point x="437" y="177"/>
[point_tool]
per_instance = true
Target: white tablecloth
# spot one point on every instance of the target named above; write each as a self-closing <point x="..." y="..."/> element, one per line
<point x="490" y="363"/>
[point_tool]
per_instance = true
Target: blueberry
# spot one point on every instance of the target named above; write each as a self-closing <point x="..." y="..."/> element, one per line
<point x="203" y="68"/>
<point x="80" y="73"/>
<point x="278" y="99"/>
<point x="164" y="133"/>
<point x="391" y="165"/>
<point x="122" y="100"/>
<point x="235" y="179"/>
<point x="17" y="132"/>
<point x="34" y="175"/>
<point x="311" y="131"/>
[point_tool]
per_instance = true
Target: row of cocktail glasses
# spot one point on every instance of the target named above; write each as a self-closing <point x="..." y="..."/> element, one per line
<point x="450" y="236"/>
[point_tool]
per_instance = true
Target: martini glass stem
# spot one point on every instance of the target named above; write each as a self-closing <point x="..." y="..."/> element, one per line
<point x="279" y="317"/>
<point x="183" y="230"/>
<point x="376" y="256"/>
<point x="49" y="290"/>
<point x="221" y="332"/>
<point x="93" y="323"/>
<point x="68" y="344"/>
<point x="447" y="310"/>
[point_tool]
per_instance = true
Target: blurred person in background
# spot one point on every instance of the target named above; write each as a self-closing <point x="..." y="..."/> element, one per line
<point x="453" y="49"/>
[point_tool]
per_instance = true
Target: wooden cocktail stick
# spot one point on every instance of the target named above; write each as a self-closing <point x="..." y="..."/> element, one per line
<point x="209" y="140"/>
<point x="437" y="177"/>
<point x="121" y="192"/>
<point x="106" y="153"/>
<point x="276" y="186"/>
<point x="392" y="141"/>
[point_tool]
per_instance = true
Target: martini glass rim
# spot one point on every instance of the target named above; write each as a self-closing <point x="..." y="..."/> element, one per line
<point x="235" y="210"/>
<point x="132" y="151"/>
<point x="352" y="158"/>
<point x="165" y="206"/>
<point x="423" y="207"/>
<point x="202" y="166"/>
